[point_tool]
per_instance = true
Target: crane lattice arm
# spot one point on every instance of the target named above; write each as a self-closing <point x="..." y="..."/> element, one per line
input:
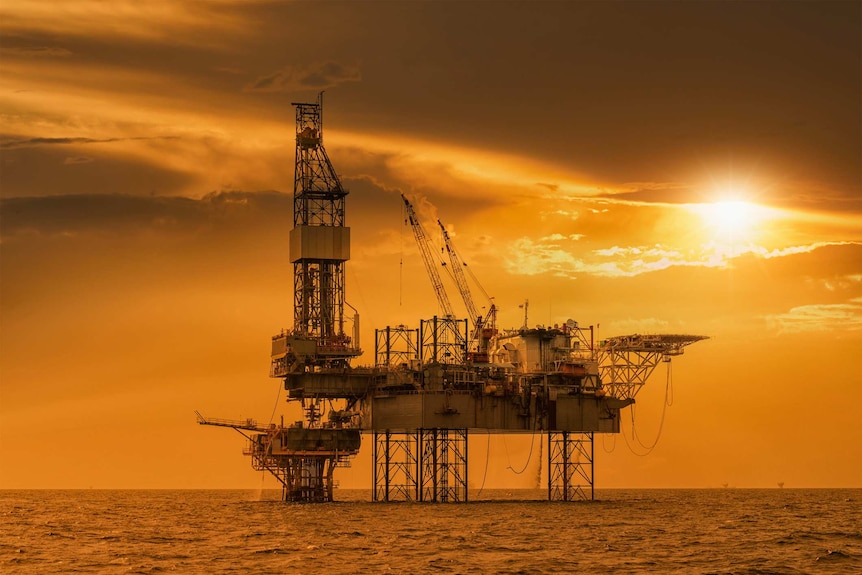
<point x="428" y="259"/>
<point x="461" y="279"/>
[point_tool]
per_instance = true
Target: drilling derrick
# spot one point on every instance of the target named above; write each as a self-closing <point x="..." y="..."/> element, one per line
<point x="313" y="359"/>
<point x="319" y="246"/>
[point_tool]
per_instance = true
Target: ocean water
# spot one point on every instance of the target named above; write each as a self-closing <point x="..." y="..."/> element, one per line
<point x="743" y="531"/>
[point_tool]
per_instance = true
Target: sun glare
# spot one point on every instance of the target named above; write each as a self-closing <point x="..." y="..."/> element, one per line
<point x="731" y="216"/>
<point x="736" y="219"/>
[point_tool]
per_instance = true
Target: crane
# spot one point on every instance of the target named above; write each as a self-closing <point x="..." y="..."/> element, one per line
<point x="481" y="332"/>
<point x="460" y="279"/>
<point x="430" y="266"/>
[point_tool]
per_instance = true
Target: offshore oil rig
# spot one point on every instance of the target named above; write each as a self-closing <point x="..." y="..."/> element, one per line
<point x="431" y="385"/>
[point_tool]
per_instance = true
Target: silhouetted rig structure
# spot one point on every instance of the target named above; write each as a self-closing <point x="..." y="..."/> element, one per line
<point x="428" y="386"/>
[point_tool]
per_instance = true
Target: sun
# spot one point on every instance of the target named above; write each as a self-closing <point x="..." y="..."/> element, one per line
<point x="736" y="220"/>
<point x="731" y="217"/>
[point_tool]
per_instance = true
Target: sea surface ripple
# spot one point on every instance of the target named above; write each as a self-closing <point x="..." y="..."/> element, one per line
<point x="709" y="531"/>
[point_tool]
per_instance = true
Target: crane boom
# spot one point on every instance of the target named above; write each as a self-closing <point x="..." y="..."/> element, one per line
<point x="428" y="259"/>
<point x="460" y="278"/>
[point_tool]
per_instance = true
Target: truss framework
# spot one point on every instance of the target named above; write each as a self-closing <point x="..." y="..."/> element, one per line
<point x="626" y="362"/>
<point x="444" y="465"/>
<point x="395" y="346"/>
<point x="570" y="466"/>
<point x="624" y="373"/>
<point x="396" y="464"/>
<point x="443" y="340"/>
<point x="305" y="478"/>
<point x="318" y="201"/>
<point x="421" y="465"/>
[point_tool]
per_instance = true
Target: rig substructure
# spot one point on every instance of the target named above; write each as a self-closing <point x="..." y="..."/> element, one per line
<point x="428" y="386"/>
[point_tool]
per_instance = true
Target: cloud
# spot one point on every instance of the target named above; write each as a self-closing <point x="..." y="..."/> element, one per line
<point x="573" y="215"/>
<point x="73" y="160"/>
<point x="59" y="168"/>
<point x="545" y="254"/>
<point x="777" y="253"/>
<point x="528" y="257"/>
<point x="650" y="192"/>
<point x="74" y="215"/>
<point x="41" y="51"/>
<point x="318" y="76"/>
<point x="819" y="317"/>
<point x="13" y="144"/>
<point x="198" y="23"/>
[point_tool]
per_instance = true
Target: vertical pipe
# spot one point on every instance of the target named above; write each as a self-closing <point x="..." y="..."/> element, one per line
<point x="388" y="346"/>
<point x="466" y="344"/>
<point x="418" y="454"/>
<point x="356" y="331"/>
<point x="386" y="455"/>
<point x="374" y="460"/>
<point x="592" y="466"/>
<point x="435" y="438"/>
<point x="420" y="340"/>
<point x="436" y="360"/>
<point x="566" y="466"/>
<point x="466" y="468"/>
<point x="550" y="471"/>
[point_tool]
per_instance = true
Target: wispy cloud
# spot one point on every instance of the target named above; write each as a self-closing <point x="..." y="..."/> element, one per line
<point x="176" y="22"/>
<point x="789" y="251"/>
<point x="819" y="317"/>
<point x="40" y="51"/>
<point x="73" y="160"/>
<point x="11" y="144"/>
<point x="316" y="76"/>
<point x="547" y="254"/>
<point x="114" y="214"/>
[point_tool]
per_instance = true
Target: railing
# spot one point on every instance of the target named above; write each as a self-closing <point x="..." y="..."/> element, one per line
<point x="249" y="424"/>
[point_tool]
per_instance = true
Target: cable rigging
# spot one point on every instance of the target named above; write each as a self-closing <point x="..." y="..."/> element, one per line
<point x="668" y="401"/>
<point x="529" y="456"/>
<point x="487" y="457"/>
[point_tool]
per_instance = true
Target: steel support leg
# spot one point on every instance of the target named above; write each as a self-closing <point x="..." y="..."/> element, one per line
<point x="570" y="466"/>
<point x="443" y="465"/>
<point x="396" y="467"/>
<point x="306" y="479"/>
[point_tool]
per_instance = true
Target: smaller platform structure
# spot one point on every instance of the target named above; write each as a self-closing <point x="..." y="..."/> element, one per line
<point x="302" y="459"/>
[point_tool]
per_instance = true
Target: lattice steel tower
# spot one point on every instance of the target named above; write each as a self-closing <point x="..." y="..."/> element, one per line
<point x="319" y="243"/>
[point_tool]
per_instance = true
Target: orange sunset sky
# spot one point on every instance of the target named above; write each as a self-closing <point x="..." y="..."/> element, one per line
<point x="648" y="167"/>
